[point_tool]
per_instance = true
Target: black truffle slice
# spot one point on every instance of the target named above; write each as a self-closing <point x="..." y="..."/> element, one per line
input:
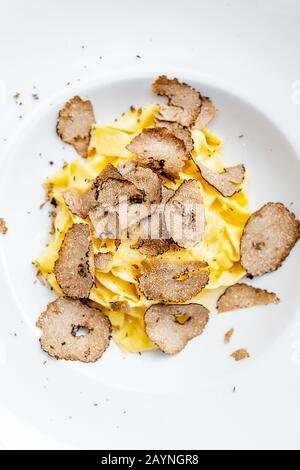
<point x="185" y="215"/>
<point x="102" y="260"/>
<point x="79" y="202"/>
<point x="182" y="133"/>
<point x="173" y="281"/>
<point x="184" y="101"/>
<point x="74" y="269"/>
<point x="244" y="296"/>
<point x="269" y="236"/>
<point x="160" y="150"/>
<point x="62" y="321"/>
<point x="208" y="112"/>
<point x="225" y="182"/>
<point x="75" y="123"/>
<point x="171" y="327"/>
<point x="145" y="180"/>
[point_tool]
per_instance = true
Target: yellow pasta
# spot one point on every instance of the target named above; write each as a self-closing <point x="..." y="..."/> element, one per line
<point x="225" y="221"/>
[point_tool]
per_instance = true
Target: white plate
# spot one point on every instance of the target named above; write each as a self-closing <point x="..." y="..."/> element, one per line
<point x="149" y="400"/>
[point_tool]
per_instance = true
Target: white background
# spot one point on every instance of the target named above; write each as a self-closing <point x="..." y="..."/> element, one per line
<point x="251" y="44"/>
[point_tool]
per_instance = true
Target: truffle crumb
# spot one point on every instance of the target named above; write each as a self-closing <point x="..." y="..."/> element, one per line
<point x="3" y="227"/>
<point x="228" y="336"/>
<point x="240" y="355"/>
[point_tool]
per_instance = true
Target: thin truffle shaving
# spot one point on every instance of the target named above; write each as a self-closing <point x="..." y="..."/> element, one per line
<point x="170" y="335"/>
<point x="75" y="123"/>
<point x="154" y="227"/>
<point x="268" y="238"/>
<point x="154" y="238"/>
<point x="80" y="203"/>
<point x="173" y="281"/>
<point x="106" y="223"/>
<point x="109" y="172"/>
<point x="244" y="296"/>
<point x="107" y="190"/>
<point x="185" y="215"/>
<point x="208" y="112"/>
<point x="145" y="180"/>
<point x="182" y="133"/>
<point x="60" y="324"/>
<point x="111" y="187"/>
<point x="226" y="182"/>
<point x="111" y="191"/>
<point x="120" y="203"/>
<point x="184" y="101"/>
<point x="74" y="269"/>
<point x="160" y="150"/>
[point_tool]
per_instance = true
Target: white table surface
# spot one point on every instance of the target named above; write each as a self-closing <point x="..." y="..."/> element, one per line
<point x="251" y="44"/>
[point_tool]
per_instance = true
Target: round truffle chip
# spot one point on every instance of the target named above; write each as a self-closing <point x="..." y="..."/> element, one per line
<point x="75" y="123"/>
<point x="173" y="281"/>
<point x="225" y="182"/>
<point x="184" y="101"/>
<point x="61" y="324"/>
<point x="74" y="269"/>
<point x="244" y="296"/>
<point x="185" y="215"/>
<point x="269" y="236"/>
<point x="171" y="327"/>
<point x="160" y="150"/>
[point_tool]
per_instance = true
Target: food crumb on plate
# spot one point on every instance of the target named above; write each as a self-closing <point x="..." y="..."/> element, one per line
<point x="228" y="336"/>
<point x="240" y="355"/>
<point x="3" y="226"/>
